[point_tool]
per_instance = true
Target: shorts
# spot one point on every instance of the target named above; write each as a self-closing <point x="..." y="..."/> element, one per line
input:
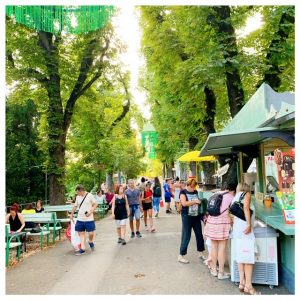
<point x="134" y="212"/>
<point x="120" y="222"/>
<point x="147" y="206"/>
<point x="167" y="199"/>
<point x="87" y="226"/>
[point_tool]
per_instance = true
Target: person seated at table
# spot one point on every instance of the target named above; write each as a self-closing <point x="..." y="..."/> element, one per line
<point x="39" y="206"/>
<point x="100" y="198"/>
<point x="15" y="219"/>
<point x="28" y="210"/>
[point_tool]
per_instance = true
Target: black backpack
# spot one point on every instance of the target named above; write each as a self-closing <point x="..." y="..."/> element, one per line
<point x="214" y="204"/>
<point x="157" y="191"/>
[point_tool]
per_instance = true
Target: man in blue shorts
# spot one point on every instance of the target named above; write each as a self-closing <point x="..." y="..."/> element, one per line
<point x="133" y="196"/>
<point x="85" y="219"/>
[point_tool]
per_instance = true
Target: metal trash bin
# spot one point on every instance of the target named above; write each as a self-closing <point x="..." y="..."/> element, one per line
<point x="266" y="263"/>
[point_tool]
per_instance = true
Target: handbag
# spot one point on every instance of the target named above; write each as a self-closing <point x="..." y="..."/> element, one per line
<point x="237" y="208"/>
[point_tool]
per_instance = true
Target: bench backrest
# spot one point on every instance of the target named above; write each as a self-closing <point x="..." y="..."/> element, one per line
<point x="39" y="217"/>
<point x="54" y="208"/>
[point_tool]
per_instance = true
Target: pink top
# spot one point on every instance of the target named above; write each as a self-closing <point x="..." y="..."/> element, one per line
<point x="227" y="199"/>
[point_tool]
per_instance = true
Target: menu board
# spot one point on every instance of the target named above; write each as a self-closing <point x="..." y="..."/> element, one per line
<point x="285" y="162"/>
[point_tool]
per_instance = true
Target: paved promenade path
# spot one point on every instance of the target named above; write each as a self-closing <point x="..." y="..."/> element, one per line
<point x="144" y="266"/>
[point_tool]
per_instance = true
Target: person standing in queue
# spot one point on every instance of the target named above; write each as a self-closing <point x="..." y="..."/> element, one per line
<point x="191" y="219"/>
<point x="85" y="219"/>
<point x="133" y="197"/>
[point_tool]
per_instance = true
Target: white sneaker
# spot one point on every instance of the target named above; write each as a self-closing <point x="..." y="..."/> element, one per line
<point x="214" y="273"/>
<point x="182" y="259"/>
<point x="223" y="276"/>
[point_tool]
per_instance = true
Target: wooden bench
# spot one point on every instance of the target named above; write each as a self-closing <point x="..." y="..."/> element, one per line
<point x="10" y="245"/>
<point x="60" y="208"/>
<point x="102" y="209"/>
<point x="40" y="218"/>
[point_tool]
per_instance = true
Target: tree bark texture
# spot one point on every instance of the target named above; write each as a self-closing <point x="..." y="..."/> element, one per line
<point x="226" y="36"/>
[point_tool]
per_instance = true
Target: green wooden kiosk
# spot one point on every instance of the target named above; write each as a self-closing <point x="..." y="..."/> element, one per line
<point x="264" y="129"/>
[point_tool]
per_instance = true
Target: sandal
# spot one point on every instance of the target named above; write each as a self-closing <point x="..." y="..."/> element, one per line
<point x="241" y="287"/>
<point x="251" y="291"/>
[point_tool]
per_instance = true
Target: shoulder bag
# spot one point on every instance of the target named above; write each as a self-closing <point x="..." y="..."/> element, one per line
<point x="237" y="208"/>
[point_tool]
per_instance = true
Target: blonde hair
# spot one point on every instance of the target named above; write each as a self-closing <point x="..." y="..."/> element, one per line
<point x="192" y="182"/>
<point x="243" y="187"/>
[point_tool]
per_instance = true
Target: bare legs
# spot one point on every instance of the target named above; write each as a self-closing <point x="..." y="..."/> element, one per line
<point x="218" y="254"/>
<point x="246" y="271"/>
<point x="147" y="213"/>
<point x="82" y="239"/>
<point x="137" y="223"/>
<point x="123" y="231"/>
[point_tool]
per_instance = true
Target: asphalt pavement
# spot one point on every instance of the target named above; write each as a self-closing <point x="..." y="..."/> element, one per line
<point x="144" y="266"/>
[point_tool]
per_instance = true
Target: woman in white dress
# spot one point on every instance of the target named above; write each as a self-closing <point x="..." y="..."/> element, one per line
<point x="243" y="233"/>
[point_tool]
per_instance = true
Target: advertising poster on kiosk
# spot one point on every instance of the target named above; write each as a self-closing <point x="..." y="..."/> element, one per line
<point x="285" y="162"/>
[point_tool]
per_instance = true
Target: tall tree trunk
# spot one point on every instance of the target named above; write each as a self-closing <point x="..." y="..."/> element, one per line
<point x="209" y="126"/>
<point x="227" y="39"/>
<point x="169" y="171"/>
<point x="110" y="181"/>
<point x="55" y="117"/>
<point x="193" y="141"/>
<point x="272" y="75"/>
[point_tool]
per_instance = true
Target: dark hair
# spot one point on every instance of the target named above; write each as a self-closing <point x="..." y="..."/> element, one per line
<point x="156" y="181"/>
<point x="40" y="200"/>
<point x="28" y="206"/>
<point x="143" y="179"/>
<point x="79" y="187"/>
<point x="14" y="208"/>
<point x="177" y="178"/>
<point x="17" y="206"/>
<point x="99" y="192"/>
<point x="118" y="188"/>
<point x="230" y="186"/>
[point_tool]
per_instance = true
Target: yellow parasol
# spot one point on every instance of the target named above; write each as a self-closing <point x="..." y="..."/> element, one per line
<point x="194" y="156"/>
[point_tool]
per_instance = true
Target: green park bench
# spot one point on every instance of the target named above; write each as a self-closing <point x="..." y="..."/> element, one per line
<point x="9" y="244"/>
<point x="42" y="218"/>
<point x="59" y="208"/>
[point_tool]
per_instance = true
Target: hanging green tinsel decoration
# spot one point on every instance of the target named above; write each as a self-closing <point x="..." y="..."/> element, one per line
<point x="55" y="19"/>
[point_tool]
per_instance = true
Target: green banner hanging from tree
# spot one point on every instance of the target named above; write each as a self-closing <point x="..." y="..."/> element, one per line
<point x="55" y="19"/>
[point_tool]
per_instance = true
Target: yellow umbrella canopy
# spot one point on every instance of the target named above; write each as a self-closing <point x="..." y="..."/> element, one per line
<point x="194" y="156"/>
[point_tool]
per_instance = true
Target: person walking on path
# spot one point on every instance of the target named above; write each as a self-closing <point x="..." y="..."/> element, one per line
<point x="147" y="207"/>
<point x="120" y="212"/>
<point x="191" y="219"/>
<point x="243" y="232"/>
<point x="85" y="219"/>
<point x="217" y="230"/>
<point x="133" y="197"/>
<point x="156" y="196"/>
<point x="176" y="194"/>
<point x="168" y="195"/>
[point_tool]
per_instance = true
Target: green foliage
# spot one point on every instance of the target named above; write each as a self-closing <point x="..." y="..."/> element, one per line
<point x="25" y="177"/>
<point x="184" y="54"/>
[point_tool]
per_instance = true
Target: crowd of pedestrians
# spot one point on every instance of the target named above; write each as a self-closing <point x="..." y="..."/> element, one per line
<point x="142" y="201"/>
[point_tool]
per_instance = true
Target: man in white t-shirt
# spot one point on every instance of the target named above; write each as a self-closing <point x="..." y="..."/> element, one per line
<point x="85" y="219"/>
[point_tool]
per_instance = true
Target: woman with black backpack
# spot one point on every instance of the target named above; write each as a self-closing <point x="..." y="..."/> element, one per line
<point x="156" y="196"/>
